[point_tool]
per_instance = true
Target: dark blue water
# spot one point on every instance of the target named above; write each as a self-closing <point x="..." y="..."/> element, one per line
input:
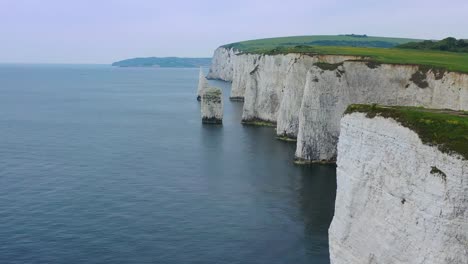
<point x="113" y="165"/>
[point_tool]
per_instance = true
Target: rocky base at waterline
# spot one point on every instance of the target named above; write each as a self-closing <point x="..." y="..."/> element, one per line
<point x="285" y="137"/>
<point x="237" y="99"/>
<point x="213" y="121"/>
<point x="402" y="187"/>
<point x="258" y="122"/>
<point x="212" y="106"/>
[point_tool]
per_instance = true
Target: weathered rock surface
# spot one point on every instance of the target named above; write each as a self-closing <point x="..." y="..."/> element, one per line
<point x="202" y="84"/>
<point x="222" y="64"/>
<point x="241" y="74"/>
<point x="212" y="106"/>
<point x="306" y="95"/>
<point x="329" y="92"/>
<point x="392" y="206"/>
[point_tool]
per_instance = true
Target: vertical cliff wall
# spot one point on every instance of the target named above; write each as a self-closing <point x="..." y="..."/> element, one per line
<point x="305" y="95"/>
<point x="269" y="73"/>
<point x="246" y="65"/>
<point x="398" y="200"/>
<point x="272" y="87"/>
<point x="222" y="64"/>
<point x="329" y="91"/>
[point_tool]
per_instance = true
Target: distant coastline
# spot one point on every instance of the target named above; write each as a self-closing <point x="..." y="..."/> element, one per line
<point x="164" y="62"/>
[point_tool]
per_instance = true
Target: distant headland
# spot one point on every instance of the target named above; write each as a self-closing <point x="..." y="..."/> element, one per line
<point x="164" y="62"/>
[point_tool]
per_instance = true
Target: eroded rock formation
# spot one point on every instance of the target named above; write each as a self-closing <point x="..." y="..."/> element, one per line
<point x="212" y="106"/>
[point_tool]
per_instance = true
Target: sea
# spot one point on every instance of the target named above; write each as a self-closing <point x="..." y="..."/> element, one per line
<point x="100" y="164"/>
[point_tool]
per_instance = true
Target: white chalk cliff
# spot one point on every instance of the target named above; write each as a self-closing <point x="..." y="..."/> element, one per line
<point x="306" y="95"/>
<point x="202" y="84"/>
<point x="398" y="200"/>
<point x="222" y="64"/>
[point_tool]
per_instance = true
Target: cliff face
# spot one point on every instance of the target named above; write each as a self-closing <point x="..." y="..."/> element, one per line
<point x="222" y="64"/>
<point x="329" y="92"/>
<point x="241" y="74"/>
<point x="306" y="95"/>
<point x="398" y="200"/>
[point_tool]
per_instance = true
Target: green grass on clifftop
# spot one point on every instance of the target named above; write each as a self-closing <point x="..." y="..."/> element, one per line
<point x="258" y="45"/>
<point x="447" y="60"/>
<point x="346" y="45"/>
<point x="447" y="44"/>
<point x="451" y="61"/>
<point x="446" y="129"/>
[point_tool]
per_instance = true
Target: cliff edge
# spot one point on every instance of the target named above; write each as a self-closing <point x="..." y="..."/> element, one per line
<point x="305" y="95"/>
<point x="402" y="191"/>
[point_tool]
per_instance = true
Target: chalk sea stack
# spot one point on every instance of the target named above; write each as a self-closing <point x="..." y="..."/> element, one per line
<point x="202" y="84"/>
<point x="212" y="106"/>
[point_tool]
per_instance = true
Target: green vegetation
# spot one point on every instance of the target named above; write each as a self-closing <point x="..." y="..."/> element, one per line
<point x="451" y="61"/>
<point x="339" y="45"/>
<point x="212" y="94"/>
<point x="446" y="129"/>
<point x="287" y="138"/>
<point x="168" y="62"/>
<point x="263" y="45"/>
<point x="300" y="161"/>
<point x="213" y="91"/>
<point x="419" y="78"/>
<point x="448" y="44"/>
<point x="328" y="66"/>
<point x="438" y="172"/>
<point x="373" y="64"/>
<point x="258" y="122"/>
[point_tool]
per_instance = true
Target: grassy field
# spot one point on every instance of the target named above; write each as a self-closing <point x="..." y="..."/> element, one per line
<point x="258" y="45"/>
<point x="451" y="61"/>
<point x="446" y="129"/>
<point x="438" y="59"/>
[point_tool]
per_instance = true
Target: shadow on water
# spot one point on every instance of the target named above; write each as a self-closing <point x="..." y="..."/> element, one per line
<point x="317" y="201"/>
<point x="270" y="166"/>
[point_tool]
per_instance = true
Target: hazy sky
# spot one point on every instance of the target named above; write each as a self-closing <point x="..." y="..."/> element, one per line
<point x="102" y="31"/>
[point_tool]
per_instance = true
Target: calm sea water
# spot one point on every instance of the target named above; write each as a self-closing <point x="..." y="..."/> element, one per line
<point x="113" y="165"/>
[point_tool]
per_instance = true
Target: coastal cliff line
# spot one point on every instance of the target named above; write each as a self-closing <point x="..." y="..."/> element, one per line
<point x="399" y="199"/>
<point x="305" y="95"/>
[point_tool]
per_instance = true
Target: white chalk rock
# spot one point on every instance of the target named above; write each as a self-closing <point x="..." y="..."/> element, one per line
<point x="391" y="205"/>
<point x="275" y="88"/>
<point x="202" y="84"/>
<point x="212" y="106"/>
<point x="222" y="64"/>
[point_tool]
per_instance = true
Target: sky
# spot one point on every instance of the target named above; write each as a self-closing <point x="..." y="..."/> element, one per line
<point x="104" y="31"/>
